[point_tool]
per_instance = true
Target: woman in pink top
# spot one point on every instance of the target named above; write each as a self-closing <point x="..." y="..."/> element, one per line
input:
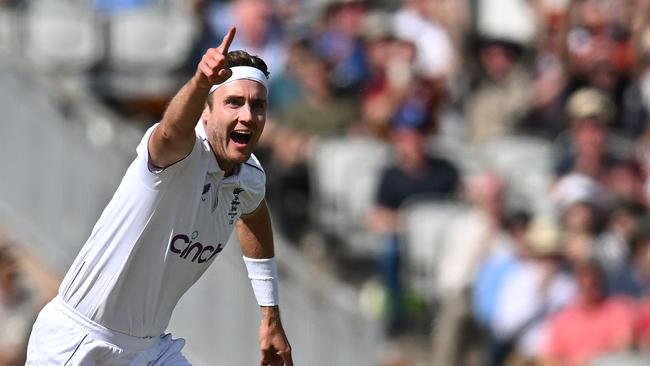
<point x="592" y="325"/>
<point x="643" y="325"/>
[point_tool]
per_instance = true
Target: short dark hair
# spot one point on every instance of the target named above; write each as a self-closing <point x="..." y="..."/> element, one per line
<point x="515" y="218"/>
<point x="243" y="58"/>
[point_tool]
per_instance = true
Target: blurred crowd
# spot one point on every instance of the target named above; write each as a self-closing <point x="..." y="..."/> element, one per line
<point x="553" y="269"/>
<point x="562" y="283"/>
<point x="25" y="286"/>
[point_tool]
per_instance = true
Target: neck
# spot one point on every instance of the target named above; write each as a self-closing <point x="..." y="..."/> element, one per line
<point x="414" y="165"/>
<point x="229" y="168"/>
<point x="590" y="303"/>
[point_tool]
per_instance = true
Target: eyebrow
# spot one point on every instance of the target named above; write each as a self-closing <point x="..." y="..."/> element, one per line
<point x="237" y="95"/>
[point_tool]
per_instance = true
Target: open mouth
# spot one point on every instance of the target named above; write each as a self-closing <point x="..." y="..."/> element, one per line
<point x="241" y="137"/>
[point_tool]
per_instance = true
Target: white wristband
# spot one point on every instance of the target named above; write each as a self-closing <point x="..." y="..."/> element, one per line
<point x="264" y="279"/>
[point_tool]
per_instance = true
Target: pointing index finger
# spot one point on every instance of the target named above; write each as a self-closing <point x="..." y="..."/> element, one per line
<point x="227" y="40"/>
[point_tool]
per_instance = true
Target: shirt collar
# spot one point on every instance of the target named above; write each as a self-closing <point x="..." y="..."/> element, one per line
<point x="213" y="164"/>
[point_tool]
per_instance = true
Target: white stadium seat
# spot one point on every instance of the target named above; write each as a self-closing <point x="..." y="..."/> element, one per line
<point x="459" y="152"/>
<point x="345" y="172"/>
<point x="147" y="46"/>
<point x="527" y="164"/>
<point x="62" y="36"/>
<point x="150" y="39"/>
<point x="425" y="226"/>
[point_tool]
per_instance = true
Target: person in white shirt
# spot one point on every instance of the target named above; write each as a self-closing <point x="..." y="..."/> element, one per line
<point x="189" y="187"/>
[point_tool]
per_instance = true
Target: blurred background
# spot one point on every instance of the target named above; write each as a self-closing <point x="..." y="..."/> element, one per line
<point x="453" y="182"/>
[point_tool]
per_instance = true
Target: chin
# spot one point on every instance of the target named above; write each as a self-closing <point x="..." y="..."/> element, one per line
<point x="240" y="158"/>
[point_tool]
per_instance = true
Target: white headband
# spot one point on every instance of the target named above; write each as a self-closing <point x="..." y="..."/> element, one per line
<point x="244" y="73"/>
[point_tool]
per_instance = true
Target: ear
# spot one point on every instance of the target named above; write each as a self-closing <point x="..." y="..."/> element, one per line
<point x="205" y="115"/>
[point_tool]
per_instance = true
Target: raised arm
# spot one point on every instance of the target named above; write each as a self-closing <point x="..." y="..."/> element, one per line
<point x="174" y="137"/>
<point x="256" y="240"/>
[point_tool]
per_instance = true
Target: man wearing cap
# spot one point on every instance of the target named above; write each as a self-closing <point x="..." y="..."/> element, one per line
<point x="589" y="111"/>
<point x="415" y="174"/>
<point x="536" y="287"/>
<point x="189" y="187"/>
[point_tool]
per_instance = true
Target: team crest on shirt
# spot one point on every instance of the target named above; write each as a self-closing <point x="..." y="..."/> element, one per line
<point x="206" y="189"/>
<point x="232" y="214"/>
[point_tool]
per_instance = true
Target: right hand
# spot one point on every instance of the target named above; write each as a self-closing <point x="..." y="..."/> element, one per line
<point x="213" y="68"/>
<point x="274" y="345"/>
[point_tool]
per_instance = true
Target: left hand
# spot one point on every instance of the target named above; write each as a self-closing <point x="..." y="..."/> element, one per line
<point x="274" y="345"/>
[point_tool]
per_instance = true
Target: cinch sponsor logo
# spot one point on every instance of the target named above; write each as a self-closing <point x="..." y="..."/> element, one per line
<point x="186" y="247"/>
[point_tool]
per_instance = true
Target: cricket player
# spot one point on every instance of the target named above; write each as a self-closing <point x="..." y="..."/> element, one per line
<point x="189" y="187"/>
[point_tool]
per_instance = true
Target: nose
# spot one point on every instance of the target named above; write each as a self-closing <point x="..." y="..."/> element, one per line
<point x="246" y="114"/>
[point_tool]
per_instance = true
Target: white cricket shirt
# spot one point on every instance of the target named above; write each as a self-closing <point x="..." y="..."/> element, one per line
<point x="158" y="234"/>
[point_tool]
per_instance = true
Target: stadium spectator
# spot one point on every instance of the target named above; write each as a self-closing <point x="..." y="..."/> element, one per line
<point x="626" y="180"/>
<point x="391" y="72"/>
<point x="258" y="29"/>
<point x="580" y="201"/>
<point x="26" y="284"/>
<point x="494" y="269"/>
<point x="612" y="247"/>
<point x="317" y="113"/>
<point x="17" y="309"/>
<point x="470" y="237"/>
<point x="536" y="287"/>
<point x="640" y="273"/>
<point x="596" y="51"/>
<point x="546" y="117"/>
<point x="338" y="41"/>
<point x="493" y="272"/>
<point x="593" y="324"/>
<point x="502" y="97"/>
<point x="636" y="96"/>
<point x="413" y="22"/>
<point x="414" y="174"/>
<point x="285" y="85"/>
<point x="589" y="111"/>
<point x="632" y="278"/>
<point x="642" y="329"/>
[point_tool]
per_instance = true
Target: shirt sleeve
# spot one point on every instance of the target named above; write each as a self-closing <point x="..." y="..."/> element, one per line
<point x="152" y="176"/>
<point x="386" y="195"/>
<point x="253" y="185"/>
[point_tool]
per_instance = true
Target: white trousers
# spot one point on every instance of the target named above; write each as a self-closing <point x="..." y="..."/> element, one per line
<point x="63" y="336"/>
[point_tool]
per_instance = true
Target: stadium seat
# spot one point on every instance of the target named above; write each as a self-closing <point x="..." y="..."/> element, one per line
<point x="150" y="40"/>
<point x="344" y="174"/>
<point x="147" y="45"/>
<point x="622" y="359"/>
<point x="526" y="162"/>
<point x="459" y="152"/>
<point x="61" y="36"/>
<point x="425" y="224"/>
